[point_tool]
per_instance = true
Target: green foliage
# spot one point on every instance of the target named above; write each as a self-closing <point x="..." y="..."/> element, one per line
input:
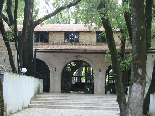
<point x="107" y="56"/>
<point x="153" y="34"/>
<point x="10" y="35"/>
<point x="66" y="16"/>
<point x="126" y="64"/>
<point x="20" y="10"/>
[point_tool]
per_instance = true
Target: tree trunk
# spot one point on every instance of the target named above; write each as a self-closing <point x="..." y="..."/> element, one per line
<point x="29" y="59"/>
<point x="28" y="12"/>
<point x="1" y="7"/>
<point x="114" y="57"/>
<point x="30" y="50"/>
<point x="138" y="73"/>
<point x="148" y="21"/>
<point x="115" y="66"/>
<point x="122" y="56"/>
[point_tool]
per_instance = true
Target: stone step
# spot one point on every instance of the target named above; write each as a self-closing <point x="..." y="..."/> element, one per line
<point x="75" y="97"/>
<point x="75" y="101"/>
<point x="73" y="107"/>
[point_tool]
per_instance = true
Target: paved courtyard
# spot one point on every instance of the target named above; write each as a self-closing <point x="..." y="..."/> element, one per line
<point x="64" y="112"/>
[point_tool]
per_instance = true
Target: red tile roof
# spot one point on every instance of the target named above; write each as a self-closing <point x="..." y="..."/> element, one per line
<point x="63" y="27"/>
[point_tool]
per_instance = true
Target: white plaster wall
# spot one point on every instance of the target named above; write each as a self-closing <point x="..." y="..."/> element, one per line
<point x="18" y="90"/>
<point x="152" y="105"/>
<point x="149" y="69"/>
<point x="59" y="60"/>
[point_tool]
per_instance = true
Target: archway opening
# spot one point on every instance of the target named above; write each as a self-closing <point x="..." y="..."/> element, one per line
<point x="77" y="77"/>
<point x="43" y="72"/>
<point x="110" y="81"/>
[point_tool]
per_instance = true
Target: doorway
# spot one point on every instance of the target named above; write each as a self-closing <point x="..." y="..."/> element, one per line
<point x="110" y="81"/>
<point x="77" y="76"/>
<point x="43" y="72"/>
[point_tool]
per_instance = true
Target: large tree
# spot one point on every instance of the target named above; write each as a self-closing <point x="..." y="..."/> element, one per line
<point x="103" y="10"/>
<point x="102" y="13"/>
<point x="139" y="36"/>
<point x="138" y="73"/>
<point x="6" y="40"/>
<point x="25" y="39"/>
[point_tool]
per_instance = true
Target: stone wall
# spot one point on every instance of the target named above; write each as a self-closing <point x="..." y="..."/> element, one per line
<point x="87" y="38"/>
<point x="56" y="37"/>
<point x="84" y="37"/>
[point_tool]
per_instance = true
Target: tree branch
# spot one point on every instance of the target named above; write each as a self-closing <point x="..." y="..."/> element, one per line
<point x="55" y="12"/>
<point x="1" y="6"/>
<point x="15" y="19"/>
<point x="35" y="14"/>
<point x="128" y="23"/>
<point x="8" y="10"/>
<point x="127" y="17"/>
<point x="8" y="46"/>
<point x="114" y="57"/>
<point x="5" y="19"/>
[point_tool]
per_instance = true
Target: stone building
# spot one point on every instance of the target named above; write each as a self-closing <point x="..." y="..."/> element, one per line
<point x="71" y="58"/>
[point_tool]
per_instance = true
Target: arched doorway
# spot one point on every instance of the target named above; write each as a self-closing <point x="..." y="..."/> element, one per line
<point x="77" y="76"/>
<point x="43" y="72"/>
<point x="110" y="81"/>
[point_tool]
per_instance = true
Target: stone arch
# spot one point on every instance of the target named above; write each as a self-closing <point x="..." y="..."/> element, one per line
<point x="50" y="63"/>
<point x="79" y="57"/>
<point x="75" y="58"/>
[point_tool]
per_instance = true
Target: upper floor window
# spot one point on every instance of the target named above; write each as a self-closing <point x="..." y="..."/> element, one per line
<point x="100" y="38"/>
<point x="41" y="37"/>
<point x="71" y="37"/>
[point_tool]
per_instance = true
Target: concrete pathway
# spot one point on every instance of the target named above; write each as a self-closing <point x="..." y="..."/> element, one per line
<point x="64" y="112"/>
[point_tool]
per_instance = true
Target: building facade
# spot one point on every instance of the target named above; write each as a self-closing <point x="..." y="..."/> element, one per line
<point x="71" y="58"/>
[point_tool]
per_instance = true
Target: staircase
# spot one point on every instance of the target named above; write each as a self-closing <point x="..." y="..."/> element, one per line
<point x="75" y="101"/>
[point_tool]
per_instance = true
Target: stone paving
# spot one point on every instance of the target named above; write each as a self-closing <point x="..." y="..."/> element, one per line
<point x="64" y="112"/>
